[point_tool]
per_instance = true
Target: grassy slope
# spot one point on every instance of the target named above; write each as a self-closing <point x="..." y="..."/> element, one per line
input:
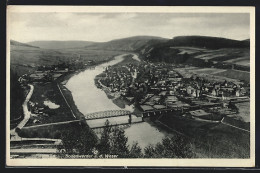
<point x="16" y="43"/>
<point x="126" y="44"/>
<point x="235" y="74"/>
<point x="60" y="44"/>
<point x="210" y="139"/>
<point x="207" y="42"/>
<point x="25" y="59"/>
<point x="210" y="48"/>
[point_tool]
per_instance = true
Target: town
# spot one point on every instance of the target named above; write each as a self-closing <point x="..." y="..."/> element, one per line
<point x="160" y="86"/>
<point x="150" y="87"/>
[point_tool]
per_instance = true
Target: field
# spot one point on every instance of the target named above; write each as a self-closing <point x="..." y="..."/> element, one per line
<point x="244" y="111"/>
<point x="49" y="92"/>
<point x="239" y="56"/>
<point x="51" y="131"/>
<point x="243" y="114"/>
<point x="189" y="50"/>
<point x="216" y="74"/>
<point x="235" y="74"/>
<point x="91" y="54"/>
<point x="206" y="70"/>
<point x="33" y="56"/>
<point x="26" y="59"/>
<point x="211" y="140"/>
<point x="233" y="56"/>
<point x="239" y="61"/>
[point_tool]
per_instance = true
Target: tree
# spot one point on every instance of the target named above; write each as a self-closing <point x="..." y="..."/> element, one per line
<point x="118" y="143"/>
<point x="174" y="147"/>
<point x="149" y="151"/>
<point x="113" y="141"/>
<point x="77" y="139"/>
<point x="17" y="96"/>
<point x="135" y="151"/>
<point x="104" y="144"/>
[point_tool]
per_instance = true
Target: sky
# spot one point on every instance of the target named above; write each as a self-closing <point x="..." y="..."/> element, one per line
<point x="101" y="27"/>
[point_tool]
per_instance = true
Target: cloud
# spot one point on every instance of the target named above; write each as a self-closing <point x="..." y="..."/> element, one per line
<point x="27" y="27"/>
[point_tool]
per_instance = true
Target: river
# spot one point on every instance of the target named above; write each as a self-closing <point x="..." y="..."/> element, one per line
<point x="88" y="99"/>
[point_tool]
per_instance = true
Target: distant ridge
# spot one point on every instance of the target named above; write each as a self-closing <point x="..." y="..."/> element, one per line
<point x="141" y="43"/>
<point x="207" y="42"/>
<point x="16" y="43"/>
<point x="127" y="44"/>
<point x="53" y="44"/>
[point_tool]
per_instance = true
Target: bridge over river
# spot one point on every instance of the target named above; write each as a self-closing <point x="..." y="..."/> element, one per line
<point x="97" y="120"/>
<point x="107" y="114"/>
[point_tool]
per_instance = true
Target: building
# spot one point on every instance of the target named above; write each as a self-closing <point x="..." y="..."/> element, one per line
<point x="37" y="76"/>
<point x="200" y="114"/>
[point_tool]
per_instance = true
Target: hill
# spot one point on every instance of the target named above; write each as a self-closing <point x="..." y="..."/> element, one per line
<point x="26" y="58"/>
<point x="127" y="44"/>
<point x="60" y="44"/>
<point x="16" y="43"/>
<point x="192" y="50"/>
<point x="207" y="42"/>
<point x="199" y="50"/>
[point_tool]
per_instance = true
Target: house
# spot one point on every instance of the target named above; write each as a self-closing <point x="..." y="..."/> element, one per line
<point x="65" y="70"/>
<point x="193" y="93"/>
<point x="130" y="99"/>
<point x="216" y="86"/>
<point x="146" y="108"/>
<point x="215" y="92"/>
<point x="158" y="107"/>
<point x="237" y="92"/>
<point x="198" y="92"/>
<point x="171" y="92"/>
<point x="199" y="113"/>
<point x="170" y="100"/>
<point x="156" y="99"/>
<point x="177" y="104"/>
<point x="163" y="93"/>
<point x="37" y="76"/>
<point x="35" y="121"/>
<point x="55" y="76"/>
<point x="189" y="90"/>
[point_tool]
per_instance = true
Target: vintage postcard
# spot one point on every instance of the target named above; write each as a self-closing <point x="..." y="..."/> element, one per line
<point x="130" y="86"/>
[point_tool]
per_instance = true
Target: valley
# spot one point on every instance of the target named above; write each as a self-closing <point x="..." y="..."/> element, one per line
<point x="195" y="86"/>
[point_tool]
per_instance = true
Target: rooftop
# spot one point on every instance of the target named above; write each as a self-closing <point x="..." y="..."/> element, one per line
<point x="199" y="113"/>
<point x="147" y="108"/>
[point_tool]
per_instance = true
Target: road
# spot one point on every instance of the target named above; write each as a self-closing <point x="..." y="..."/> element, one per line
<point x="233" y="126"/>
<point x="26" y="112"/>
<point x="51" y="124"/>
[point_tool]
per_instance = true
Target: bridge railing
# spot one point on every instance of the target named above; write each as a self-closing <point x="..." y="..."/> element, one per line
<point x="107" y="114"/>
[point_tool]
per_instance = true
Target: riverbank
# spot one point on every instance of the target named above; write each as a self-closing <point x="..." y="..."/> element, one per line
<point x="116" y="96"/>
<point x="62" y="81"/>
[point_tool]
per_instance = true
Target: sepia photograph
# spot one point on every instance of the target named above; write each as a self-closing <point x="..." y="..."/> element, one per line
<point x="130" y="86"/>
